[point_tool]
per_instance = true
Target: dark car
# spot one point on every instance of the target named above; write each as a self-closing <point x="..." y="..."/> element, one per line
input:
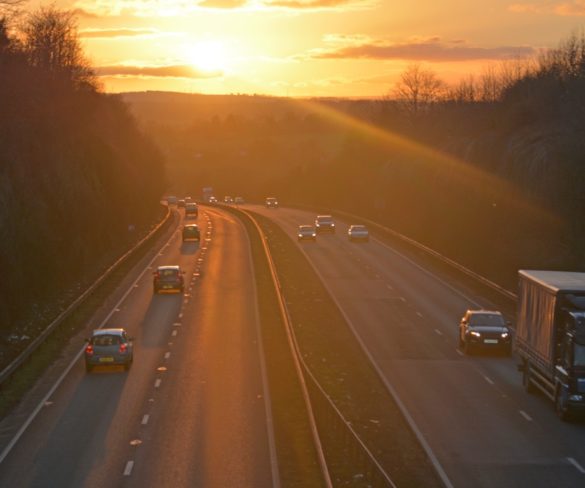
<point x="191" y="210"/>
<point x="227" y="199"/>
<point x="191" y="233"/>
<point x="271" y="202"/>
<point x="172" y="200"/>
<point x="484" y="329"/>
<point x="181" y="203"/>
<point x="168" y="279"/>
<point x="307" y="233"/>
<point x="324" y="223"/>
<point x="109" y="347"/>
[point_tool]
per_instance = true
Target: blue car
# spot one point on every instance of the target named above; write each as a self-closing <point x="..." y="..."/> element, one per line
<point x="108" y="347"/>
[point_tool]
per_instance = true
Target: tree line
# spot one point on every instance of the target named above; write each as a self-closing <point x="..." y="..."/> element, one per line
<point x="490" y="171"/>
<point x="78" y="180"/>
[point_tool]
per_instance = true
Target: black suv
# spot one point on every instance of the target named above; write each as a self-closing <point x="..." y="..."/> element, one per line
<point x="168" y="279"/>
<point x="484" y="329"/>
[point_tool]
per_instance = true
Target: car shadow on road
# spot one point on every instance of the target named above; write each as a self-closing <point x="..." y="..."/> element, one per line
<point x="189" y="248"/>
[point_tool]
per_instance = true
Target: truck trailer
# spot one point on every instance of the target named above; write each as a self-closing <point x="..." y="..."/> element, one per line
<point x="550" y="337"/>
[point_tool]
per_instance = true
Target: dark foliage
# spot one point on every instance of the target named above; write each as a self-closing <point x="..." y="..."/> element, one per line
<point x="75" y="172"/>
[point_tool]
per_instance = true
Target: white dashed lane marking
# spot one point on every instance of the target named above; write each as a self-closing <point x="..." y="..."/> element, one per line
<point x="128" y="468"/>
<point x="576" y="464"/>
<point x="145" y="419"/>
<point x="525" y="415"/>
<point x="157" y="383"/>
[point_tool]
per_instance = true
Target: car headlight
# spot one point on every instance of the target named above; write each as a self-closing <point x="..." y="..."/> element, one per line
<point x="504" y="335"/>
<point x="475" y="334"/>
<point x="576" y="398"/>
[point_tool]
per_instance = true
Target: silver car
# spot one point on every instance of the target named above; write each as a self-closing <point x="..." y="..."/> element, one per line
<point x="358" y="233"/>
<point x="109" y="347"/>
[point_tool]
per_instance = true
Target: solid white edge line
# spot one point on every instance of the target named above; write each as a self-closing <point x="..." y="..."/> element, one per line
<point x="525" y="415"/>
<point x="409" y="419"/>
<point x="574" y="462"/>
<point x="128" y="468"/>
<point x="41" y="404"/>
<point x="489" y="380"/>
<point x="438" y="332"/>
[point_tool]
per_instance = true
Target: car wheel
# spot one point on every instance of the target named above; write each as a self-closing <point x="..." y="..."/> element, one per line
<point x="461" y="343"/>
<point x="467" y="348"/>
<point x="127" y="365"/>
<point x="88" y="367"/>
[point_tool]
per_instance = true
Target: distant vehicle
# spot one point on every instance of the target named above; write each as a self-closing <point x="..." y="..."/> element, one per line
<point x="358" y="233"/>
<point x="228" y="199"/>
<point x="172" y="200"/>
<point x="207" y="193"/>
<point x="212" y="199"/>
<point x="188" y="200"/>
<point x="109" y="347"/>
<point x="191" y="210"/>
<point x="271" y="202"/>
<point x="484" y="329"/>
<point x="181" y="203"/>
<point x="239" y="200"/>
<point x="324" y="223"/>
<point x="168" y="279"/>
<point x="191" y="232"/>
<point x="550" y="337"/>
<point x="307" y="233"/>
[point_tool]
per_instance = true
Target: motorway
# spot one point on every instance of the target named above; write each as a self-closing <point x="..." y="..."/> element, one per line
<point x="193" y="409"/>
<point x="481" y="426"/>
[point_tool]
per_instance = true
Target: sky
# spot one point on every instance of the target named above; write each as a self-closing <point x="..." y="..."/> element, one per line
<point x="306" y="48"/>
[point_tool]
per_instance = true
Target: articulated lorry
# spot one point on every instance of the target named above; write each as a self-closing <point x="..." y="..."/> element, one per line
<point x="550" y="337"/>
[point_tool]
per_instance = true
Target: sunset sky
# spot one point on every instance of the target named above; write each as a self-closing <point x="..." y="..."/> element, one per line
<point x="340" y="48"/>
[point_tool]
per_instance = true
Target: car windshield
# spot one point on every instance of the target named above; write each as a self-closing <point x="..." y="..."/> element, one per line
<point x="168" y="274"/>
<point x="106" y="340"/>
<point x="492" y="319"/>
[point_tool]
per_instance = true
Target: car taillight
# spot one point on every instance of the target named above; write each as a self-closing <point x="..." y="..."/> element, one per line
<point x="89" y="349"/>
<point x="123" y="348"/>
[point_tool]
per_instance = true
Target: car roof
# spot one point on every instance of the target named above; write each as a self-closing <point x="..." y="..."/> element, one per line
<point x="176" y="266"/>
<point x="306" y="226"/>
<point x="485" y="312"/>
<point x="191" y="226"/>
<point x="110" y="331"/>
<point x="324" y="216"/>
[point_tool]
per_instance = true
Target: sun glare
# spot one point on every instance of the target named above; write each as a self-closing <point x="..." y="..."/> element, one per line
<point x="208" y="56"/>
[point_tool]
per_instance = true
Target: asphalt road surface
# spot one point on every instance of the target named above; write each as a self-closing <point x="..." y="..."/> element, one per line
<point x="479" y="423"/>
<point x="192" y="411"/>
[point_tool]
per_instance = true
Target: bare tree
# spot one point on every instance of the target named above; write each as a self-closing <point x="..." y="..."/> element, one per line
<point x="51" y="43"/>
<point x="418" y="88"/>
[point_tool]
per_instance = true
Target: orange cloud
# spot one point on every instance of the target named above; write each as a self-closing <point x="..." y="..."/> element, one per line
<point x="113" y="33"/>
<point x="431" y="49"/>
<point x="574" y="8"/>
<point x="170" y="71"/>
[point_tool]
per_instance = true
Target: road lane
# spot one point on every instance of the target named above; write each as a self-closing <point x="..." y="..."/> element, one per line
<point x="93" y="431"/>
<point x="481" y="425"/>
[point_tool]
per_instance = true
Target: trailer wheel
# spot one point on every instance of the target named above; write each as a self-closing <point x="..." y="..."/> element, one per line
<point x="561" y="406"/>
<point x="528" y="386"/>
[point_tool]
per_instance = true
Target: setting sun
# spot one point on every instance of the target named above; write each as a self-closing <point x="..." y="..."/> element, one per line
<point x="207" y="56"/>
